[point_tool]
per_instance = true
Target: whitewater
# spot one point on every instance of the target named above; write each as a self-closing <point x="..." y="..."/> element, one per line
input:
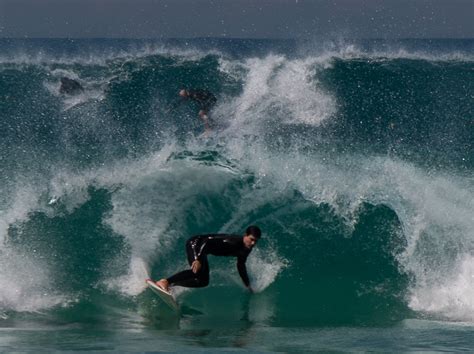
<point x="354" y="158"/>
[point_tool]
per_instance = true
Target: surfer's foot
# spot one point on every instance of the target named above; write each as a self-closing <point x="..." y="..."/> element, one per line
<point x="163" y="283"/>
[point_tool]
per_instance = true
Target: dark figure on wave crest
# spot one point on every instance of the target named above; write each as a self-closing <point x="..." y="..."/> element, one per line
<point x="199" y="247"/>
<point x="70" y="86"/>
<point x="205" y="100"/>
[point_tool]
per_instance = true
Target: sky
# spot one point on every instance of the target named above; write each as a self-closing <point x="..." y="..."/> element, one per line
<point x="237" y="18"/>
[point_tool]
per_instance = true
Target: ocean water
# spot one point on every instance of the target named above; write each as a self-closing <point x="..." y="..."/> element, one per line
<point x="355" y="158"/>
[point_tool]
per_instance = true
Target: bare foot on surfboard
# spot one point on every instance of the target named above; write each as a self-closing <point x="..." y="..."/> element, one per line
<point x="163" y="283"/>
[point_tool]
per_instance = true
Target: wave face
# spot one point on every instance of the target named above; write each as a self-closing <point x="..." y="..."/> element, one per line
<point x="356" y="160"/>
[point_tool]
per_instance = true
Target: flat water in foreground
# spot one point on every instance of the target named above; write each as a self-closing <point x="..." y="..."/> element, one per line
<point x="188" y="334"/>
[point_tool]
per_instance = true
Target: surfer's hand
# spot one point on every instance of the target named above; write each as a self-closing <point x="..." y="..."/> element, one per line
<point x="196" y="266"/>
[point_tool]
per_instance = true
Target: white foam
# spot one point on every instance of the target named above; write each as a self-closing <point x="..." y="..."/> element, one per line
<point x="133" y="282"/>
<point x="435" y="211"/>
<point x="437" y="208"/>
<point x="155" y="193"/>
<point x="152" y="195"/>
<point x="278" y="89"/>
<point x="23" y="199"/>
<point x="297" y="90"/>
<point x="148" y="210"/>
<point x="452" y="296"/>
<point x="264" y="267"/>
<point x="25" y="284"/>
<point x="69" y="191"/>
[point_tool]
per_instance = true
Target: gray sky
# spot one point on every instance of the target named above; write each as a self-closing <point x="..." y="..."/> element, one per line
<point x="237" y="18"/>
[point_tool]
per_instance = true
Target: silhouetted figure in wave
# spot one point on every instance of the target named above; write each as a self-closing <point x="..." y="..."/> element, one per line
<point x="205" y="100"/>
<point x="70" y="87"/>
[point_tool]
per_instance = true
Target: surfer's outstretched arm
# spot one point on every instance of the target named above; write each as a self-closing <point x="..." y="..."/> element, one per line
<point x="243" y="272"/>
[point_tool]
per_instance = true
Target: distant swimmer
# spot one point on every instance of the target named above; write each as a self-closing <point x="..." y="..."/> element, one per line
<point x="199" y="247"/>
<point x="205" y="99"/>
<point x="70" y="86"/>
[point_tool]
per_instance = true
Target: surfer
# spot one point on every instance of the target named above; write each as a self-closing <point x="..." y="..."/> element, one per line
<point x="200" y="246"/>
<point x="70" y="86"/>
<point x="205" y="100"/>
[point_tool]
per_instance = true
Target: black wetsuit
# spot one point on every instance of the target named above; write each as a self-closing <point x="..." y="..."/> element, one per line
<point x="205" y="99"/>
<point x="198" y="247"/>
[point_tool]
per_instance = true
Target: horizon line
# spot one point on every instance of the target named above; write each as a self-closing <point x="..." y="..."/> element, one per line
<point x="239" y="38"/>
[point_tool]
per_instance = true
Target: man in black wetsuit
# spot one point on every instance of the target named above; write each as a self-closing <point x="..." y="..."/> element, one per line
<point x="205" y="99"/>
<point x="197" y="249"/>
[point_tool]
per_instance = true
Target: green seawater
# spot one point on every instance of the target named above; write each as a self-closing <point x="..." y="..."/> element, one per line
<point x="355" y="160"/>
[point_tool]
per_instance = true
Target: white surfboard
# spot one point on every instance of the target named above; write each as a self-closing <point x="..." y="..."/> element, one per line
<point x="164" y="295"/>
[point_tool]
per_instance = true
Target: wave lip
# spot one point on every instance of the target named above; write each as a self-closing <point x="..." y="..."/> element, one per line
<point x="102" y="52"/>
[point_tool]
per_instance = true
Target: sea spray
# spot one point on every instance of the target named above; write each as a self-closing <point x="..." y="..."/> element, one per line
<point x="355" y="162"/>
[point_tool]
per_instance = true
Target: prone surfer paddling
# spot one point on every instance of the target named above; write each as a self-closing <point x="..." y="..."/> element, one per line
<point x="197" y="249"/>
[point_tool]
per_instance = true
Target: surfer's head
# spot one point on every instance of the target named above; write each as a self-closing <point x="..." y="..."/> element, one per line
<point x="183" y="93"/>
<point x="252" y="235"/>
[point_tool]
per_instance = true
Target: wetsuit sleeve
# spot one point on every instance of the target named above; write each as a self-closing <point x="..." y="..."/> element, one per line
<point x="243" y="270"/>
